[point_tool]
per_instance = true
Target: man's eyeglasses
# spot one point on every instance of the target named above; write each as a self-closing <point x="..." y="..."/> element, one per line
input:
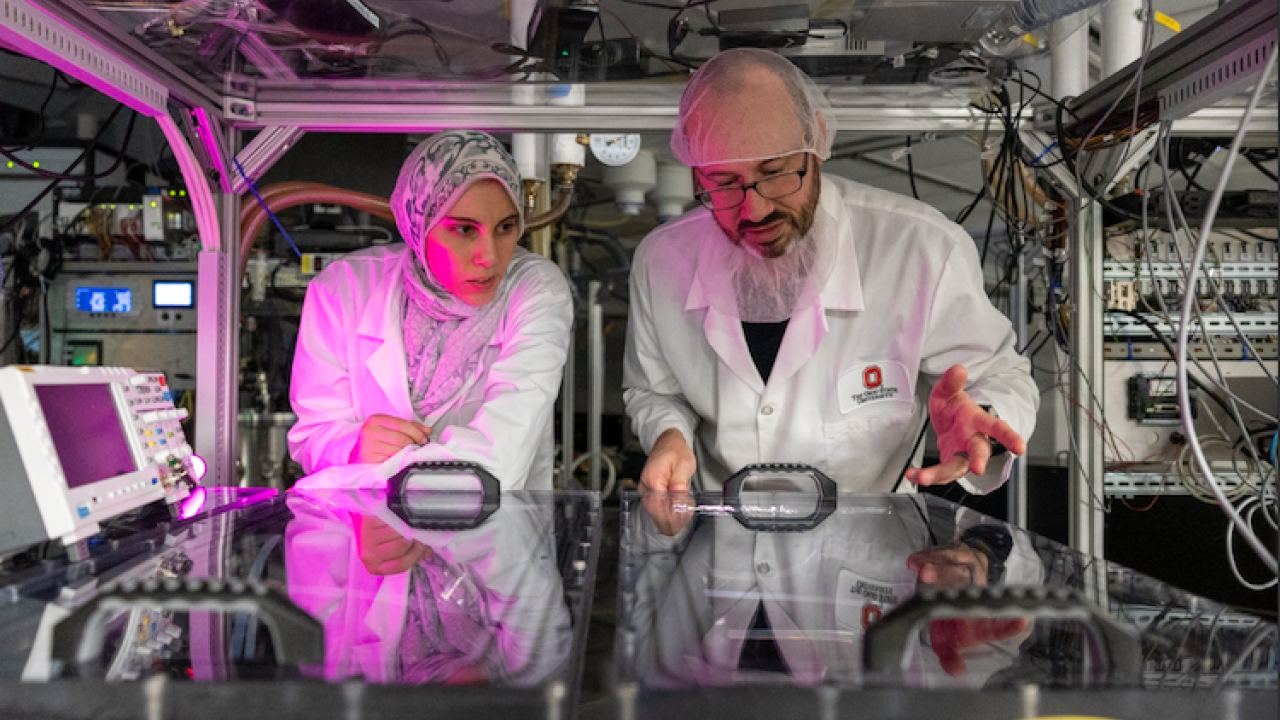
<point x="769" y="188"/>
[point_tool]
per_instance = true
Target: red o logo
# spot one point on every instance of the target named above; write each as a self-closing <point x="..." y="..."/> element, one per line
<point x="870" y="614"/>
<point x="871" y="377"/>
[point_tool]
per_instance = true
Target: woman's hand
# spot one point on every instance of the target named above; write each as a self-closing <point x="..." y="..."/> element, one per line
<point x="383" y="551"/>
<point x="382" y="436"/>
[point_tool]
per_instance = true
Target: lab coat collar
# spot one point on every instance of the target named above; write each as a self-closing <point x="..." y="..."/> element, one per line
<point x="842" y="291"/>
<point x="380" y="325"/>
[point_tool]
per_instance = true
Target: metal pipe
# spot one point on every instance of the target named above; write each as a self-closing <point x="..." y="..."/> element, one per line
<point x="1070" y="55"/>
<point x="1084" y="512"/>
<point x="1017" y="486"/>
<point x="567" y="387"/>
<point x="564" y="199"/>
<point x="1122" y="34"/>
<point x="595" y="345"/>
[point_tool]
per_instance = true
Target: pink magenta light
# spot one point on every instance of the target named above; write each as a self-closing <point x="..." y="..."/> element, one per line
<point x="193" y="504"/>
<point x="198" y="467"/>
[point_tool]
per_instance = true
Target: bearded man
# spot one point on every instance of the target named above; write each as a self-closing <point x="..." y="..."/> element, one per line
<point x="797" y="318"/>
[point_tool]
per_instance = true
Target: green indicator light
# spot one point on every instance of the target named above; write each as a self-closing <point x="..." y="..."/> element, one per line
<point x="35" y="164"/>
<point x="172" y="193"/>
<point x="182" y="193"/>
<point x="154" y="203"/>
<point x="10" y="165"/>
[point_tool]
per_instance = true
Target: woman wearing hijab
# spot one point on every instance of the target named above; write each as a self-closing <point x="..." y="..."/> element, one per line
<point x="452" y="345"/>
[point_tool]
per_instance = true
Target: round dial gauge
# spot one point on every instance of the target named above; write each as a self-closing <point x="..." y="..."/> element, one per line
<point x="614" y="149"/>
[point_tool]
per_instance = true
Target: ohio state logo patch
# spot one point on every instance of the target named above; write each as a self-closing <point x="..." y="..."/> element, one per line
<point x="872" y="377"/>
<point x="874" y="382"/>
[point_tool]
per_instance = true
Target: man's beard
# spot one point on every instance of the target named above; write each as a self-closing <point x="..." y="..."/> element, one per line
<point x="771" y="282"/>
<point x="771" y="289"/>
<point x="796" y="225"/>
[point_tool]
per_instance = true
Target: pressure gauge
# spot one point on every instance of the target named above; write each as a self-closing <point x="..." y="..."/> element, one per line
<point x="614" y="150"/>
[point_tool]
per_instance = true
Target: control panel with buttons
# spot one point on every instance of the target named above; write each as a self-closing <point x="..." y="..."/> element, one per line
<point x="82" y="445"/>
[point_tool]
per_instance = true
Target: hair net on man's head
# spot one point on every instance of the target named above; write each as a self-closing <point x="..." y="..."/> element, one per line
<point x="749" y="104"/>
<point x="439" y="170"/>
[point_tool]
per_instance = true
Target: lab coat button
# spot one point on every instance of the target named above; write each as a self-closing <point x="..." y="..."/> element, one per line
<point x="766" y="410"/>
<point x="763" y="568"/>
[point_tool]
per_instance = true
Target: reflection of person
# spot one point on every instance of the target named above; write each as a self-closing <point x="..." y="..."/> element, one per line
<point x="479" y="605"/>
<point x="722" y="605"/>
<point x="457" y="340"/>
<point x="799" y="317"/>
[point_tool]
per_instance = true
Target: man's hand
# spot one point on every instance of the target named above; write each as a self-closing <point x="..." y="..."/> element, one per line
<point x="949" y="636"/>
<point x="670" y="512"/>
<point x="951" y="567"/>
<point x="670" y="465"/>
<point x="382" y="436"/>
<point x="665" y="482"/>
<point x="383" y="551"/>
<point x="964" y="432"/>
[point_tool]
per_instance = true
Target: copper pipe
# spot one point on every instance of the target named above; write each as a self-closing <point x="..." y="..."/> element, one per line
<point x="301" y="194"/>
<point x="564" y="199"/>
<point x="286" y="195"/>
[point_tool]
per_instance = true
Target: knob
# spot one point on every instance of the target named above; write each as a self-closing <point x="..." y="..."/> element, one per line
<point x="162" y="456"/>
<point x="150" y="417"/>
<point x="183" y="413"/>
<point x="137" y="379"/>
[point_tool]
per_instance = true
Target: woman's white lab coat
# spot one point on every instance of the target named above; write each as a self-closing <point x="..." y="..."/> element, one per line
<point x="511" y="558"/>
<point x="350" y="365"/>
<point x="848" y="392"/>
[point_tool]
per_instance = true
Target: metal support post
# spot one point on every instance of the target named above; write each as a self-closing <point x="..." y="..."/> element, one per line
<point x="261" y="153"/>
<point x="1122" y="26"/>
<point x="1070" y="56"/>
<point x="595" y="345"/>
<point x="1016" y="488"/>
<point x="1085" y="512"/>
<point x="218" y="345"/>
<point x="567" y="388"/>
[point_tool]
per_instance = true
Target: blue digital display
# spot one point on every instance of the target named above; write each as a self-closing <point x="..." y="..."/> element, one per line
<point x="104" y="299"/>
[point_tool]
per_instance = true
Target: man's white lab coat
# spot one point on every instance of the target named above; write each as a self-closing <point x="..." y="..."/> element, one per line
<point x="849" y="390"/>
<point x="350" y="365"/>
<point x="696" y="595"/>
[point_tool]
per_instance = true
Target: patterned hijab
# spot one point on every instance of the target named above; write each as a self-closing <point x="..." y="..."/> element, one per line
<point x="445" y="337"/>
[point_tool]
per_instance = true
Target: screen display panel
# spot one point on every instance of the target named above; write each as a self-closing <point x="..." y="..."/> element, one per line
<point x="86" y="432"/>
<point x="104" y="299"/>
<point x="171" y="294"/>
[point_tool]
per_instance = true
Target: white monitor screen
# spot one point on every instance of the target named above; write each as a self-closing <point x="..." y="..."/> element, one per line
<point x="173" y="294"/>
<point x="86" y="431"/>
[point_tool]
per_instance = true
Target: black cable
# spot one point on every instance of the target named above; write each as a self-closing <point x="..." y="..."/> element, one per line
<point x="74" y="163"/>
<point x="1191" y="177"/>
<point x="911" y="170"/>
<point x="915" y="447"/>
<point x="43" y="107"/>
<point x="1248" y="155"/>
